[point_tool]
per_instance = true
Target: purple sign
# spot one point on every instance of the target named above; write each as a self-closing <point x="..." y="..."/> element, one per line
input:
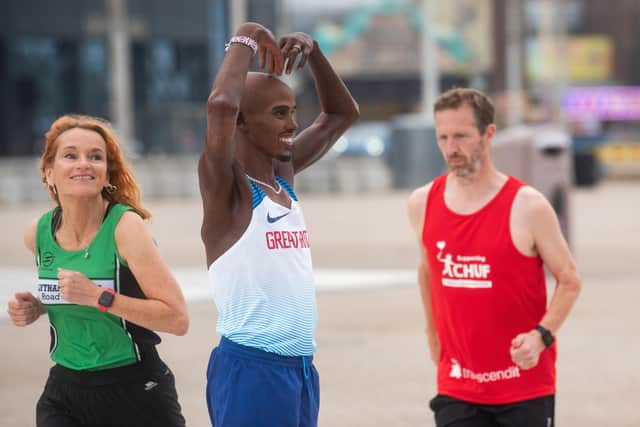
<point x="603" y="102"/>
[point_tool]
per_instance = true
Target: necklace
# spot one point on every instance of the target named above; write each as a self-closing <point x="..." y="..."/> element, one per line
<point x="57" y="217"/>
<point x="257" y="181"/>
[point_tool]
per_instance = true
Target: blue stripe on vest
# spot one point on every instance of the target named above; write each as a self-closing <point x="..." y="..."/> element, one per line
<point x="287" y="187"/>
<point x="257" y="194"/>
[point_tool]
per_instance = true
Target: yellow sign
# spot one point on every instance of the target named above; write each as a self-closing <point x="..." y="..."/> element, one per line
<point x="585" y="58"/>
<point x="619" y="152"/>
<point x="590" y="58"/>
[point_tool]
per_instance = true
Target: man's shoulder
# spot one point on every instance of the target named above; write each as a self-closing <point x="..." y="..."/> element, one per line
<point x="530" y="198"/>
<point x="419" y="195"/>
<point x="417" y="205"/>
<point x="531" y="206"/>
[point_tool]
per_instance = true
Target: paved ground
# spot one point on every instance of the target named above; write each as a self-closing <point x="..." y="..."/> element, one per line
<point x="372" y="356"/>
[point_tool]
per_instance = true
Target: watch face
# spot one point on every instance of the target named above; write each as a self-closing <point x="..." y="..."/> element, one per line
<point x="106" y="299"/>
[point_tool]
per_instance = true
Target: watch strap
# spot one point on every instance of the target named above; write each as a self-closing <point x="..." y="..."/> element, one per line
<point x="547" y="336"/>
<point x="102" y="307"/>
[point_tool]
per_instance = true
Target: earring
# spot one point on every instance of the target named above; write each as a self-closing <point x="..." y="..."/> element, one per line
<point x="53" y="189"/>
<point x="110" y="189"/>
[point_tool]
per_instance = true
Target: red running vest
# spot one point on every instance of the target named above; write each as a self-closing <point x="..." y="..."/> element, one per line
<point x="484" y="292"/>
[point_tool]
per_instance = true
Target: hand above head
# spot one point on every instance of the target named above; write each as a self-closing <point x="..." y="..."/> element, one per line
<point x="24" y="309"/>
<point x="294" y="44"/>
<point x="76" y="288"/>
<point x="270" y="55"/>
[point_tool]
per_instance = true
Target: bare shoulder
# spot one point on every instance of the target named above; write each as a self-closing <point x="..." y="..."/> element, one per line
<point x="30" y="235"/>
<point x="130" y="229"/>
<point x="417" y="205"/>
<point x="532" y="219"/>
<point x="132" y="236"/>
<point x="531" y="203"/>
<point x="130" y="219"/>
<point x="418" y="197"/>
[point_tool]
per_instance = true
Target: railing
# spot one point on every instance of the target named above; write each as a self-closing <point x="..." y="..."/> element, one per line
<point x="171" y="177"/>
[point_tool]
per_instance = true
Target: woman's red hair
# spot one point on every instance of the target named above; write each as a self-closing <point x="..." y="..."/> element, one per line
<point x="119" y="172"/>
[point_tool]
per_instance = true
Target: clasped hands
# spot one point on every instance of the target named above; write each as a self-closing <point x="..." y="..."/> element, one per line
<point x="278" y="56"/>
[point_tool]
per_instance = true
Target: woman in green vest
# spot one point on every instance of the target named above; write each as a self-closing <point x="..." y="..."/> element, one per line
<point x="103" y="285"/>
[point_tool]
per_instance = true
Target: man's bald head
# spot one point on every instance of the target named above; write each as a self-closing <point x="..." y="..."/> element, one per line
<point x="260" y="90"/>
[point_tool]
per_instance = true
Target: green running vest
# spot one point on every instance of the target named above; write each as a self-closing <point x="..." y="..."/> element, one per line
<point x="83" y="337"/>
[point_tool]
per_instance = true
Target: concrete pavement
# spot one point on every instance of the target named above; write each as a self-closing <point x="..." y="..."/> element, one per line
<point x="372" y="354"/>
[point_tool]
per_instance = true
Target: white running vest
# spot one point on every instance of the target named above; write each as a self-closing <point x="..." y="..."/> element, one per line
<point x="263" y="286"/>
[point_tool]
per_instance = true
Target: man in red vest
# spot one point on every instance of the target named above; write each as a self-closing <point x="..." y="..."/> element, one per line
<point x="485" y="238"/>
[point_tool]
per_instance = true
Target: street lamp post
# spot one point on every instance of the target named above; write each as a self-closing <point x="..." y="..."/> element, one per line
<point x="120" y="66"/>
<point x="429" y="72"/>
<point x="514" y="62"/>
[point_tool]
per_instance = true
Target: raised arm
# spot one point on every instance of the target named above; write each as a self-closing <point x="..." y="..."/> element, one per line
<point x="338" y="108"/>
<point x="223" y="106"/>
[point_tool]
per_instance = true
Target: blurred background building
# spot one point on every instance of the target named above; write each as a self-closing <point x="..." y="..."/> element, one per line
<point x="151" y="60"/>
<point x="147" y="65"/>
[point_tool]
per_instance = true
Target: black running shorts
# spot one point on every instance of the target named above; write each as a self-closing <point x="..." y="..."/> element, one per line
<point x="140" y="395"/>
<point x="451" y="412"/>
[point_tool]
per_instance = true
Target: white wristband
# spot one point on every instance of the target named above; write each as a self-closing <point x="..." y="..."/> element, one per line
<point x="245" y="40"/>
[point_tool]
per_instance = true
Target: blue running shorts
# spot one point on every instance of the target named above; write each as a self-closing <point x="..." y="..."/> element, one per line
<point x="247" y="387"/>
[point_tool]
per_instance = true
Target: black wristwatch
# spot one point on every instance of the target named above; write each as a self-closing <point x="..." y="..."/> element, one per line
<point x="106" y="299"/>
<point x="547" y="336"/>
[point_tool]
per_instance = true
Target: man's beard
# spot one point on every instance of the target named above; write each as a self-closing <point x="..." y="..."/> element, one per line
<point x="462" y="170"/>
<point x="470" y="165"/>
<point x="284" y="157"/>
